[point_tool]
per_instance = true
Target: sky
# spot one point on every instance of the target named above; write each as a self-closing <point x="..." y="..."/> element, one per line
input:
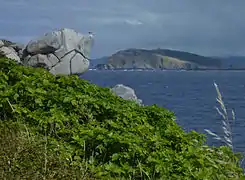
<point x="205" y="27"/>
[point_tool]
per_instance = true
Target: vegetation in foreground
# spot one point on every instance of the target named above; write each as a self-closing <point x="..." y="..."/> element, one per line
<point x="62" y="127"/>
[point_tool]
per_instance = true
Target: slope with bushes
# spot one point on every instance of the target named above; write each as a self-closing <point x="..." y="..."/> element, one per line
<point x="66" y="127"/>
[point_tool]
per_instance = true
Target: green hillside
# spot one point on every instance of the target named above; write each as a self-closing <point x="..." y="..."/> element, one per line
<point x="63" y="127"/>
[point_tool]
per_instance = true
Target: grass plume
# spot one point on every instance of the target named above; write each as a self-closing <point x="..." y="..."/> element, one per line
<point x="226" y="122"/>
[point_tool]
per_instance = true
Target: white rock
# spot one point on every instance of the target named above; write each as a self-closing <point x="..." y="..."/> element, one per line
<point x="72" y="50"/>
<point x="49" y="43"/>
<point x="125" y="92"/>
<point x="1" y="43"/>
<point x="10" y="53"/>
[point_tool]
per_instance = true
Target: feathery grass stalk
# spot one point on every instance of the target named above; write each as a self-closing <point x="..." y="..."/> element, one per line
<point x="10" y="106"/>
<point x="226" y="126"/>
<point x="45" y="155"/>
<point x="227" y="139"/>
<point x="142" y="171"/>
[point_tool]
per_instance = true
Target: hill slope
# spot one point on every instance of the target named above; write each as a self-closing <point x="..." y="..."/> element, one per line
<point x="86" y="129"/>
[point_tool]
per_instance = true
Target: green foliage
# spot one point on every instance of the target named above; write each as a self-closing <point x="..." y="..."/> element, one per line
<point x="110" y="137"/>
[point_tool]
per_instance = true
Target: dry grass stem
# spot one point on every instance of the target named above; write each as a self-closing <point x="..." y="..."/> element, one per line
<point x="222" y="111"/>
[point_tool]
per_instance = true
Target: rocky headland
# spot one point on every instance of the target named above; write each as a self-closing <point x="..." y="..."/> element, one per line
<point x="164" y="59"/>
<point x="158" y="59"/>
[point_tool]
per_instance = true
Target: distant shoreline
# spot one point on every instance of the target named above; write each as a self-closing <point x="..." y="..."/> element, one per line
<point x="93" y="69"/>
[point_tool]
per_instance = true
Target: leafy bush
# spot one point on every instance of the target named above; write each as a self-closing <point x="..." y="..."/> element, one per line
<point x="89" y="128"/>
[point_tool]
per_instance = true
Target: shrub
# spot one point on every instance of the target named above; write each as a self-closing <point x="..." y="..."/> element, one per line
<point x="91" y="129"/>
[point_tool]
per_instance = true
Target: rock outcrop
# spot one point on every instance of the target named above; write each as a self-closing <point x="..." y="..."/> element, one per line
<point x="126" y="93"/>
<point x="1" y="43"/>
<point x="9" y="50"/>
<point x="61" y="52"/>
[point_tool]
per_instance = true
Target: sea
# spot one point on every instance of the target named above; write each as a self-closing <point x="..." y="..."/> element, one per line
<point x="191" y="95"/>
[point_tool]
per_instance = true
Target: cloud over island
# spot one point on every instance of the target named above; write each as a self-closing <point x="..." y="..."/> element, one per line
<point x="205" y="27"/>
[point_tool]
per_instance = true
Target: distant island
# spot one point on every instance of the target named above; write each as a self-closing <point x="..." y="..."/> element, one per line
<point x="165" y="59"/>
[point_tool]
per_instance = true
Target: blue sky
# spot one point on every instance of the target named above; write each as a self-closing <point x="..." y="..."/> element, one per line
<point x="207" y="27"/>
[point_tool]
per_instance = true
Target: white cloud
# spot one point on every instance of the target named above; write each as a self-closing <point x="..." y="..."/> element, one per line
<point x="134" y="22"/>
<point x="150" y="17"/>
<point x="115" y="20"/>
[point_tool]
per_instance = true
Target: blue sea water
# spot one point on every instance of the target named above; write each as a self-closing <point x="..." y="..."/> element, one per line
<point x="190" y="95"/>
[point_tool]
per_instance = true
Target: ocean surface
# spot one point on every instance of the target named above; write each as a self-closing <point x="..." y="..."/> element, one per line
<point x="190" y="95"/>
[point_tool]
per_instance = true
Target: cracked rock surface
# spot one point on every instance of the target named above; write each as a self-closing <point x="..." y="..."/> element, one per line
<point x="64" y="51"/>
<point x="8" y="51"/>
<point x="61" y="52"/>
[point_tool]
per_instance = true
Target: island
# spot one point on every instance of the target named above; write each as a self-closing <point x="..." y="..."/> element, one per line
<point x="165" y="59"/>
<point x="157" y="59"/>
